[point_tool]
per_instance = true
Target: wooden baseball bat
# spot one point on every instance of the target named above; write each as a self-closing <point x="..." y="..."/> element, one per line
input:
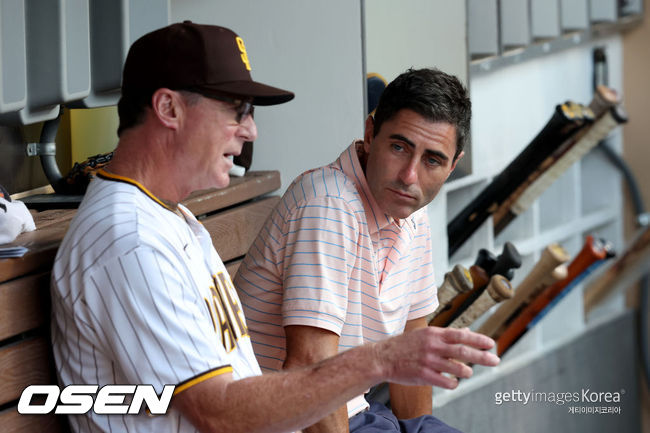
<point x="604" y="100"/>
<point x="574" y="283"/>
<point x="563" y="124"/>
<point x="508" y="260"/>
<point x="592" y="251"/>
<point x="627" y="269"/>
<point x="480" y="279"/>
<point x="497" y="323"/>
<point x="486" y="260"/>
<point x="497" y="290"/>
<point x="540" y="277"/>
<point x="592" y="136"/>
<point x="500" y="217"/>
<point x="456" y="281"/>
<point x="479" y="276"/>
<point x="503" y="265"/>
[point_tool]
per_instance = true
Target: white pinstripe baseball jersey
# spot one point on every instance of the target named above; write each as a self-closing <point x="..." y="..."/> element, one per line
<point x="329" y="257"/>
<point x="140" y="296"/>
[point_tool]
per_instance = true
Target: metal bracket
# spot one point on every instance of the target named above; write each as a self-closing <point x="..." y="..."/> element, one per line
<point x="37" y="149"/>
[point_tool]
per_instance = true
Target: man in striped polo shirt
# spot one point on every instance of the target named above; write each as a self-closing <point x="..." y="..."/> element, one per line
<point x="346" y="256"/>
<point x="139" y="294"/>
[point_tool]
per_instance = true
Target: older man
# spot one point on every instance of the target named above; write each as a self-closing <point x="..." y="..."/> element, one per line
<point x="345" y="258"/>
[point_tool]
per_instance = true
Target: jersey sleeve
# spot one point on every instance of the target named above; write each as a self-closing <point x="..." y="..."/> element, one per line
<point x="424" y="292"/>
<point x="152" y="322"/>
<point x="321" y="249"/>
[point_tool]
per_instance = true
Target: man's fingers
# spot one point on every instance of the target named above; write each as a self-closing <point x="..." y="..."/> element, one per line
<point x="455" y="368"/>
<point x="468" y="338"/>
<point x="443" y="381"/>
<point x="469" y="355"/>
<point x="428" y="355"/>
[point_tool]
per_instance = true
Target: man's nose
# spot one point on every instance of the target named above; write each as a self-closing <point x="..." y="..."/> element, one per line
<point x="248" y="129"/>
<point x="408" y="174"/>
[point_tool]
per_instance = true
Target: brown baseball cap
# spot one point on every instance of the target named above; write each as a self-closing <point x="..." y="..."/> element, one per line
<point x="199" y="57"/>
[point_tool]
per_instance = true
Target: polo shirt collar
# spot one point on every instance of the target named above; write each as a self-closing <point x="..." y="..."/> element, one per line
<point x="377" y="219"/>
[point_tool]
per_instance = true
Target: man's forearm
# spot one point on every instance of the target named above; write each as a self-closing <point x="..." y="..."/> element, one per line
<point x="411" y="401"/>
<point x="292" y="399"/>
<point x="307" y="345"/>
<point x="283" y="401"/>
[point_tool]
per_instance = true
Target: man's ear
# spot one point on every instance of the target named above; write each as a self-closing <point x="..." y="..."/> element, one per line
<point x="368" y="133"/>
<point x="168" y="107"/>
<point x="458" y="158"/>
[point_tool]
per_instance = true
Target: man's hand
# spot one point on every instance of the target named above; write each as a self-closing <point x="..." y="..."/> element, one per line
<point x="420" y="357"/>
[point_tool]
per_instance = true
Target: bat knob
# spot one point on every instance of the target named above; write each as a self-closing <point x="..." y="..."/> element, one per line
<point x="508" y="260"/>
<point x="486" y="260"/>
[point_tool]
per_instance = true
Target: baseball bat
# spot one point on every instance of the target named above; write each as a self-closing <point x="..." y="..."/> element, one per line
<point x="502" y="265"/>
<point x="480" y="278"/>
<point x="508" y="260"/>
<point x="609" y="253"/>
<point x="627" y="269"/>
<point x="500" y="216"/>
<point x="604" y="99"/>
<point x="563" y="124"/>
<point x="614" y="117"/>
<point x="496" y="324"/>
<point x="537" y="280"/>
<point x="497" y="290"/>
<point x="592" y="251"/>
<point x="485" y="259"/>
<point x="456" y="281"/>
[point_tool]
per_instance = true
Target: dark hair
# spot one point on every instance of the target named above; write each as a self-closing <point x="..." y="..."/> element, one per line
<point x="131" y="108"/>
<point x="431" y="93"/>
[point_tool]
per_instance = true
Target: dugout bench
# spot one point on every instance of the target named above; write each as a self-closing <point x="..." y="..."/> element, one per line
<point x="232" y="215"/>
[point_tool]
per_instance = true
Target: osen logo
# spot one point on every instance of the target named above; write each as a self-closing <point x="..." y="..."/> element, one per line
<point x="107" y="400"/>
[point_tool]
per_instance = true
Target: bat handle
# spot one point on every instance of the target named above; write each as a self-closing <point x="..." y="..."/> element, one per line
<point x="458" y="280"/>
<point x="497" y="290"/>
<point x="446" y="314"/>
<point x="536" y="281"/>
<point x="604" y="98"/>
<point x="509" y="259"/>
<point x="486" y="260"/>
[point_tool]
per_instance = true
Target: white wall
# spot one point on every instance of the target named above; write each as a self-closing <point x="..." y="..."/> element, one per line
<point x="312" y="48"/>
<point x="415" y="33"/>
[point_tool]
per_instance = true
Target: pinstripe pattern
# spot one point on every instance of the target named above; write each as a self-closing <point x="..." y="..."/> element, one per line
<point x="329" y="257"/>
<point x="130" y="288"/>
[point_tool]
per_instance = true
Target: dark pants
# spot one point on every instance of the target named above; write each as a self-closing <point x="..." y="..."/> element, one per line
<point x="380" y="419"/>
